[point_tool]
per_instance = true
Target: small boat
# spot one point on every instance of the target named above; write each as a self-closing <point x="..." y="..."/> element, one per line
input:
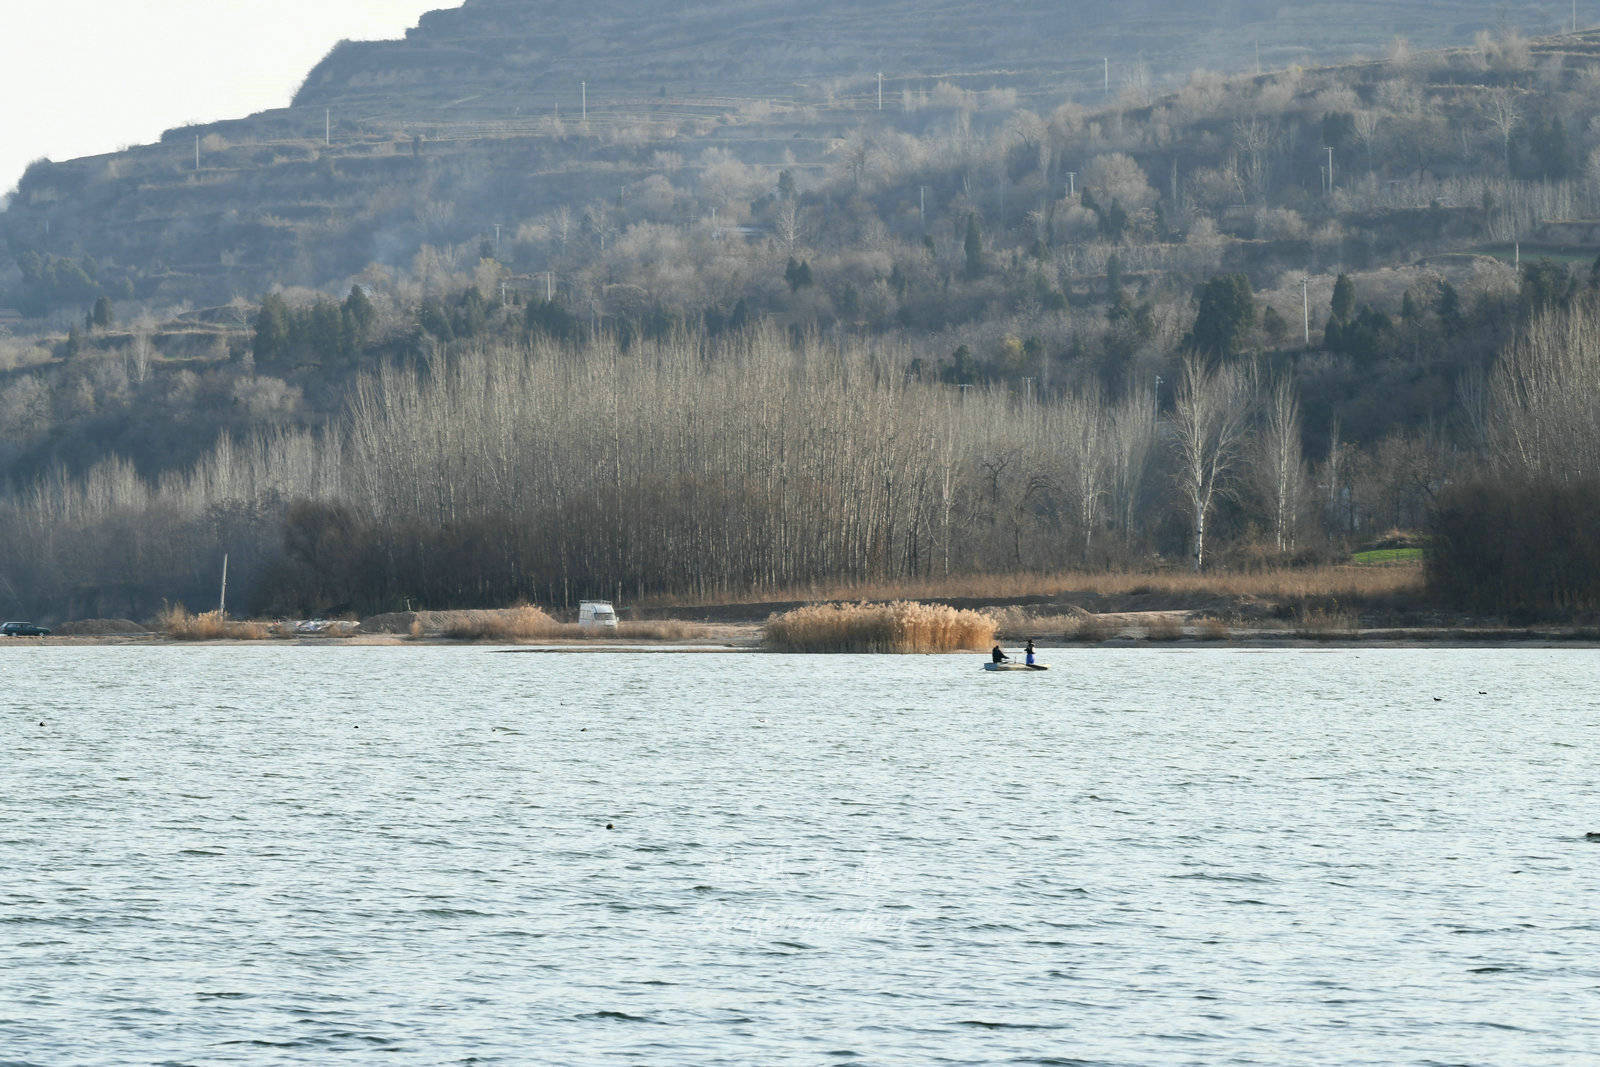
<point x="1015" y="667"/>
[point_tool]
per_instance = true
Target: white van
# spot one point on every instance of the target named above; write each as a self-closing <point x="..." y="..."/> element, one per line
<point x="597" y="615"/>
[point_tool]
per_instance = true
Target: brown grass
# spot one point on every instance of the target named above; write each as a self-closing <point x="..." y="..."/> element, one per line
<point x="1213" y="630"/>
<point x="528" y="623"/>
<point x="1327" y="624"/>
<point x="1329" y="581"/>
<point x="1163" y="628"/>
<point x="513" y="624"/>
<point x="656" y="630"/>
<point x="1016" y="622"/>
<point x="1092" y="629"/>
<point x="901" y="627"/>
<point x="177" y="623"/>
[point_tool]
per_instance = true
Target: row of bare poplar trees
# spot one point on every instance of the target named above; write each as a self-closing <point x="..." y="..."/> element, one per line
<point x="754" y="462"/>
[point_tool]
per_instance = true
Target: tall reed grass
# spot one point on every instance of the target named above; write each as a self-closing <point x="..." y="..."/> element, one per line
<point x="180" y="625"/>
<point x="900" y="627"/>
<point x="519" y="623"/>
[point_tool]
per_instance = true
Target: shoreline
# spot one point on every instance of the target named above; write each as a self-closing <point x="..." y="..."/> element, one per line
<point x="750" y="643"/>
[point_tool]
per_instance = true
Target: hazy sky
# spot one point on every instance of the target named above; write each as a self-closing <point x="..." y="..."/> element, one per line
<point x="79" y="77"/>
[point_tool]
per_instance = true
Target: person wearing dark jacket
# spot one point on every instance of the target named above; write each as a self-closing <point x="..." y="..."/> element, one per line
<point x="999" y="656"/>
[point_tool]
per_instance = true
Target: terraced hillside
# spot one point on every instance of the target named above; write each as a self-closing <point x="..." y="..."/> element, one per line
<point x="479" y="121"/>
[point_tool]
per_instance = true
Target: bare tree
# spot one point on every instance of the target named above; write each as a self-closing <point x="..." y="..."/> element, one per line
<point x="1133" y="431"/>
<point x="786" y="224"/>
<point x="1085" y="444"/>
<point x="1209" y="421"/>
<point x="1366" y="122"/>
<point x="1277" y="463"/>
<point x="1504" y="113"/>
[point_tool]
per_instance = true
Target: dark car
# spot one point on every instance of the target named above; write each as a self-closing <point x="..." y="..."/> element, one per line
<point x="23" y="629"/>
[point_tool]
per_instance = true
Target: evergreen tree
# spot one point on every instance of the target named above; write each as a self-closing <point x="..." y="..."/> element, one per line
<point x="1114" y="221"/>
<point x="797" y="274"/>
<point x="1274" y="325"/>
<point x="1227" y="312"/>
<point x="1448" y="308"/>
<point x="1545" y="284"/>
<point x="271" y="339"/>
<point x="1344" y="298"/>
<point x="359" y="318"/>
<point x="324" y="332"/>
<point x="962" y="370"/>
<point x="550" y="318"/>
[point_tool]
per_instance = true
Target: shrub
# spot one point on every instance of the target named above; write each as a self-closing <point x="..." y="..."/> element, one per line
<point x="1163" y="628"/>
<point x="1329" y="623"/>
<point x="904" y="626"/>
<point x="1213" y="630"/>
<point x="1092" y="629"/>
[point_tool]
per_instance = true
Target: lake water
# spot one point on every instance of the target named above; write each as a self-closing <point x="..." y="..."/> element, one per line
<point x="401" y="855"/>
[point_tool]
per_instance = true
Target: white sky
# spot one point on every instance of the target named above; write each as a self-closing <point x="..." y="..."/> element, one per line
<point x="80" y="77"/>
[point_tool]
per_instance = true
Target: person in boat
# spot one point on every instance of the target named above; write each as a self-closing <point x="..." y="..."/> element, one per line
<point x="999" y="656"/>
<point x="1029" y="657"/>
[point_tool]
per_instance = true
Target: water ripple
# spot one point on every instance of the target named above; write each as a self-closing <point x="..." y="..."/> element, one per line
<point x="436" y="855"/>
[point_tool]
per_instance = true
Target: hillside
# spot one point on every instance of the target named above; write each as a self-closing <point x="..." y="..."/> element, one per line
<point x="476" y="121"/>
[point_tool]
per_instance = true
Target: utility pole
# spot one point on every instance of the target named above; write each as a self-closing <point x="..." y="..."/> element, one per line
<point x="1330" y="170"/>
<point x="585" y="91"/>
<point x="1072" y="183"/>
<point x="1027" y="384"/>
<point x="880" y="85"/>
<point x="549" y="287"/>
<point x="1305" y="305"/>
<point x="197" y="151"/>
<point x="497" y="240"/>
<point x="1107" y="62"/>
<point x="922" y="205"/>
<point x="327" y="126"/>
<point x="222" y="602"/>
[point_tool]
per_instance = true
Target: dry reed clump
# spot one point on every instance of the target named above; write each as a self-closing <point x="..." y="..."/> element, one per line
<point x="1213" y="630"/>
<point x="900" y="627"/>
<point x="177" y="623"/>
<point x="513" y="624"/>
<point x="1092" y="629"/>
<point x="1163" y="628"/>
